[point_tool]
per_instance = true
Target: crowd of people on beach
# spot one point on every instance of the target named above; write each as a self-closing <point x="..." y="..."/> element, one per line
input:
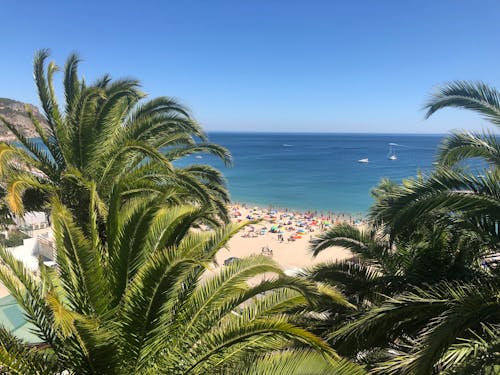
<point x="288" y="225"/>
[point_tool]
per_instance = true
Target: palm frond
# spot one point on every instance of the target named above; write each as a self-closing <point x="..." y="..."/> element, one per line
<point x="460" y="146"/>
<point x="476" y="96"/>
<point x="81" y="267"/>
<point x="296" y="362"/>
<point x="18" y="358"/>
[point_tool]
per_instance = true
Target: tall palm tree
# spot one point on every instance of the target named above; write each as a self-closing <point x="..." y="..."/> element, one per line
<point x="145" y="301"/>
<point x="107" y="131"/>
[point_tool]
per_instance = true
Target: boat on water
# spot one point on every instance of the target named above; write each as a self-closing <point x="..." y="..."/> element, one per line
<point x="363" y="160"/>
<point x="392" y="153"/>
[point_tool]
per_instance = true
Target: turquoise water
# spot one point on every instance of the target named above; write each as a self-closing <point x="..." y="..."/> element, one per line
<point x="317" y="171"/>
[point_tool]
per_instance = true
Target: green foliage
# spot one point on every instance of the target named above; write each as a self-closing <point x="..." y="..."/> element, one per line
<point x="472" y="196"/>
<point x="146" y="301"/>
<point x="107" y="132"/>
<point x="295" y="362"/>
<point x="20" y="359"/>
<point x="15" y="239"/>
<point x="422" y="276"/>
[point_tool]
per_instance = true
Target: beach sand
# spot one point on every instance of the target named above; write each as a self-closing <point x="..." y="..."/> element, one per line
<point x="290" y="255"/>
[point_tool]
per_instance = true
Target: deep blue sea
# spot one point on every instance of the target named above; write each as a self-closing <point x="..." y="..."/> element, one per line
<point x="317" y="171"/>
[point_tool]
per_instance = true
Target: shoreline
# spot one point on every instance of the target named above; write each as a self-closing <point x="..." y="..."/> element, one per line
<point x="282" y="235"/>
<point x="351" y="217"/>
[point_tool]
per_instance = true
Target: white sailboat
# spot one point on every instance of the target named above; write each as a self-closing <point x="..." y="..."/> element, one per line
<point x="392" y="152"/>
<point x="363" y="160"/>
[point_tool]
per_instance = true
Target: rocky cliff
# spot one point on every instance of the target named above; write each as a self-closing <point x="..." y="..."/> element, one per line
<point x="15" y="112"/>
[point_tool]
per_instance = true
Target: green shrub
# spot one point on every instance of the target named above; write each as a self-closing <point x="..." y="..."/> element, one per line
<point x="15" y="239"/>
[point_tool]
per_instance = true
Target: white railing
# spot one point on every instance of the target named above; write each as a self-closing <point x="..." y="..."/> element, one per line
<point x="29" y="229"/>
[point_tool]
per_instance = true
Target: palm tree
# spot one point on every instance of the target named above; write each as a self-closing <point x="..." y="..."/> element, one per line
<point x="107" y="131"/>
<point x="432" y="252"/>
<point x="373" y="269"/>
<point x="297" y="361"/>
<point x="395" y="286"/>
<point x="450" y="328"/>
<point x="446" y="193"/>
<point x="451" y="188"/>
<point x="444" y="324"/>
<point x="145" y="301"/>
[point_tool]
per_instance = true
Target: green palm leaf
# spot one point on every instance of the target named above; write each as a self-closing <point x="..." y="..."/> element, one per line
<point x="297" y="362"/>
<point x="478" y="97"/>
<point x="460" y="146"/>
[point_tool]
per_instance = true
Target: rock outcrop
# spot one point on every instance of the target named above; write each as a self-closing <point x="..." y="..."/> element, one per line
<point x="15" y="112"/>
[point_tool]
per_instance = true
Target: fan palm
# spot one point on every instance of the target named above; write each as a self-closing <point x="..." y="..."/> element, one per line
<point x="107" y="131"/>
<point x="144" y="301"/>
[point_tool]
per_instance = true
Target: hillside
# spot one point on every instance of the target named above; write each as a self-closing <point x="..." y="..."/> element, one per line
<point x="15" y="112"/>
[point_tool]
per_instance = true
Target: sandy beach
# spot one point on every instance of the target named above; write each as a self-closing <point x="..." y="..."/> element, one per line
<point x="283" y="235"/>
<point x="286" y="233"/>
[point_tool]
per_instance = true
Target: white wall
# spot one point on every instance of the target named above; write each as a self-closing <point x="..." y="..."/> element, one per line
<point x="27" y="253"/>
<point x="30" y="251"/>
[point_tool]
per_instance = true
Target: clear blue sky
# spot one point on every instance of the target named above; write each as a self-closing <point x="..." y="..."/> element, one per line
<point x="269" y="65"/>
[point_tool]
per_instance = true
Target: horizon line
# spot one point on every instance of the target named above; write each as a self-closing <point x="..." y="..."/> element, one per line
<point x="316" y="132"/>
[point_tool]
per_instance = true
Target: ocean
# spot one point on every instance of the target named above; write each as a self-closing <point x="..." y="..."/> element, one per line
<point x="317" y="171"/>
